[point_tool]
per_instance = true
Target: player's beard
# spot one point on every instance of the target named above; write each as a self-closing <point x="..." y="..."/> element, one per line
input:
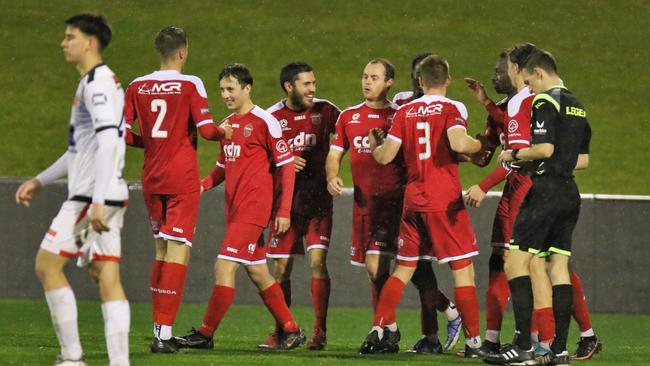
<point x="298" y="101"/>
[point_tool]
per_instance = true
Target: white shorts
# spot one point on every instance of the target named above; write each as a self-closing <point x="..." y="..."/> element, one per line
<point x="70" y="234"/>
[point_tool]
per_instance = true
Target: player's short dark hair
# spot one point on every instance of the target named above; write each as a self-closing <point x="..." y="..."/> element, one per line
<point x="168" y="40"/>
<point x="542" y="59"/>
<point x="520" y="53"/>
<point x="92" y="25"/>
<point x="416" y="60"/>
<point x="434" y="71"/>
<point x="290" y="71"/>
<point x="389" y="69"/>
<point x="238" y="72"/>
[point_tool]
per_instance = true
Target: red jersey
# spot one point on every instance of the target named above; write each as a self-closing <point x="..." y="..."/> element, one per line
<point x="256" y="142"/>
<point x="308" y="134"/>
<point x="421" y="127"/>
<point x="169" y="106"/>
<point x="369" y="177"/>
<point x="517" y="134"/>
<point x="403" y="97"/>
<point x="494" y="126"/>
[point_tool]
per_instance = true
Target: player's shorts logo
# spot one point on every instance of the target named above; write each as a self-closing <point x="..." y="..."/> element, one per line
<point x="248" y="130"/>
<point x="513" y="126"/>
<point x="315" y="119"/>
<point x="282" y="147"/>
<point x="400" y="243"/>
<point x="274" y="242"/>
<point x="251" y="248"/>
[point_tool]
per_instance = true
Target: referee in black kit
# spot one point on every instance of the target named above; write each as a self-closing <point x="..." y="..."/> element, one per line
<point x="560" y="143"/>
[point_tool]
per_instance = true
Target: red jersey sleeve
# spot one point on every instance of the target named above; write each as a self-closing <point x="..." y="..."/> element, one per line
<point x="199" y="105"/>
<point x="276" y="144"/>
<point x="497" y="114"/>
<point x="340" y="141"/>
<point x="456" y="117"/>
<point x="396" y="130"/>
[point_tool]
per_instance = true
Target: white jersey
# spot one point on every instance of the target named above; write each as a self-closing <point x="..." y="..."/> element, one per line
<point x="98" y="105"/>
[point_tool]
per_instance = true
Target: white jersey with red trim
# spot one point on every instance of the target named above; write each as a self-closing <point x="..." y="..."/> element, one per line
<point x="98" y="105"/>
<point x="517" y="131"/>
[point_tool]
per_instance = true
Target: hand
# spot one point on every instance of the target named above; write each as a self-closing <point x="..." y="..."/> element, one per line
<point x="299" y="162"/>
<point x="228" y="130"/>
<point x="202" y="189"/>
<point x="96" y="217"/>
<point x="505" y="156"/>
<point x="282" y="224"/>
<point x="335" y="186"/>
<point x="27" y="190"/>
<point x="376" y="137"/>
<point x="478" y="89"/>
<point x="474" y="196"/>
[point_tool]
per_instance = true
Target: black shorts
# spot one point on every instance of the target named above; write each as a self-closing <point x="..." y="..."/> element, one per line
<point x="547" y="217"/>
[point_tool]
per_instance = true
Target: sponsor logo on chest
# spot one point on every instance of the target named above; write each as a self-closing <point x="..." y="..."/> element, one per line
<point x="303" y="141"/>
<point x="361" y="144"/>
<point x="231" y="152"/>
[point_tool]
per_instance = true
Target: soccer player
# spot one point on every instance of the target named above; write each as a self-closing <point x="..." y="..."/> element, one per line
<point x="307" y="123"/>
<point x="170" y="107"/>
<point x="378" y="189"/>
<point x="89" y="222"/>
<point x="431" y="132"/>
<point x="424" y="279"/>
<point x="560" y="144"/>
<point x="515" y="133"/>
<point x="245" y="162"/>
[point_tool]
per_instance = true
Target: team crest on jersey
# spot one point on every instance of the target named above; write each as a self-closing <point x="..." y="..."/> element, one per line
<point x="274" y="242"/>
<point x="284" y="124"/>
<point x="512" y="126"/>
<point x="282" y="147"/>
<point x="400" y="243"/>
<point x="251" y="248"/>
<point x="248" y="130"/>
<point x="315" y="119"/>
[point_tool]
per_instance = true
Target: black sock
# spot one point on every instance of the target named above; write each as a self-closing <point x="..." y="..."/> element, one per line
<point x="522" y="303"/>
<point x="562" y="303"/>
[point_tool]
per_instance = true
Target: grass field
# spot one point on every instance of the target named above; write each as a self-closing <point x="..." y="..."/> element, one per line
<point x="598" y="45"/>
<point x="27" y="338"/>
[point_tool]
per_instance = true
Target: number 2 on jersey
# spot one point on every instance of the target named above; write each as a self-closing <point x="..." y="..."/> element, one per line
<point x="160" y="106"/>
<point x="424" y="140"/>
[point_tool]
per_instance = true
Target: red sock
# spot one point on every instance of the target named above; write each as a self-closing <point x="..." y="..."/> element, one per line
<point x="375" y="289"/>
<point x="580" y="311"/>
<point x="496" y="299"/>
<point x="442" y="301"/>
<point x="534" y="321"/>
<point x="428" y="315"/>
<point x="467" y="304"/>
<point x="320" y="297"/>
<point x="153" y="284"/>
<point x="389" y="298"/>
<point x="286" y="291"/>
<point x="274" y="300"/>
<point x="221" y="299"/>
<point x="546" y="324"/>
<point x="170" y="294"/>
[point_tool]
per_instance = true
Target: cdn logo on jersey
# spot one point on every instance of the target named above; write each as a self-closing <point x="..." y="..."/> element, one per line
<point x="303" y="141"/>
<point x="231" y="152"/>
<point x="361" y="144"/>
<point x="157" y="88"/>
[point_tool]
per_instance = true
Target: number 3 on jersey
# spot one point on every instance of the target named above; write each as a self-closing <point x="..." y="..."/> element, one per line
<point x="160" y="106"/>
<point x="424" y="140"/>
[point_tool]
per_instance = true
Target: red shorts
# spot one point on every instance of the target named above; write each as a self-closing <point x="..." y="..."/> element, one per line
<point x="374" y="231"/>
<point x="243" y="243"/>
<point x="316" y="232"/>
<point x="444" y="236"/>
<point x="514" y="192"/>
<point x="173" y="216"/>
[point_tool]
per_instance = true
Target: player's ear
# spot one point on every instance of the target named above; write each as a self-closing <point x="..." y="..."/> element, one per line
<point x="288" y="87"/>
<point x="389" y="83"/>
<point x="420" y="83"/>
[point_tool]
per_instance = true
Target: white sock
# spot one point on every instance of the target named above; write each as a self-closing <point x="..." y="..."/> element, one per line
<point x="588" y="333"/>
<point x="534" y="336"/>
<point x="380" y="331"/>
<point x="473" y="342"/>
<point x="163" y="332"/>
<point x="492" y="335"/>
<point x="117" y="322"/>
<point x="392" y="327"/>
<point x="451" y="312"/>
<point x="63" y="309"/>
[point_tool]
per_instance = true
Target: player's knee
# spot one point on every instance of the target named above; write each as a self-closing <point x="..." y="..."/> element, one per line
<point x="423" y="277"/>
<point x="318" y="267"/>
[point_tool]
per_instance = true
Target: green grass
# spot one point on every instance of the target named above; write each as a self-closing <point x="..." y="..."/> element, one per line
<point x="27" y="337"/>
<point x="598" y="45"/>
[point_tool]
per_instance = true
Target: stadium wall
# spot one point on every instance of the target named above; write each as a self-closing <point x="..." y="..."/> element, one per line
<point x="611" y="252"/>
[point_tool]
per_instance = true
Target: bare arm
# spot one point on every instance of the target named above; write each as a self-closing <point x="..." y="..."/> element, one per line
<point x="583" y="162"/>
<point x="332" y="166"/>
<point x="535" y="152"/>
<point x="461" y="142"/>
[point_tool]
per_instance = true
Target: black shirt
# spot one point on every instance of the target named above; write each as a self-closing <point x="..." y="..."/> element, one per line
<point x="558" y="118"/>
